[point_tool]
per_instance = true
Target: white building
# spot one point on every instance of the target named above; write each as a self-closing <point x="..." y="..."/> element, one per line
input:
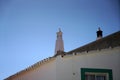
<point x="98" y="60"/>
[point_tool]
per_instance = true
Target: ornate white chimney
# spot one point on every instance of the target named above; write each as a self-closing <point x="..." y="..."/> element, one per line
<point x="59" y="47"/>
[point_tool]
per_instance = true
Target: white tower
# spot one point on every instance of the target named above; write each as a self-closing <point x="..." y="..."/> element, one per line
<point x="59" y="47"/>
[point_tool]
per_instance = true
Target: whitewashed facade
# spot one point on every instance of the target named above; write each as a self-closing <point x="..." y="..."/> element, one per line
<point x="69" y="67"/>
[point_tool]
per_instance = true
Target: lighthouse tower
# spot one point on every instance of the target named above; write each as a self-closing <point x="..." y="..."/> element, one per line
<point x="59" y="47"/>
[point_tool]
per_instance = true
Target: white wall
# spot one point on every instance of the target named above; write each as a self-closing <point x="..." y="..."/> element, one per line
<point x="68" y="67"/>
<point x="46" y="71"/>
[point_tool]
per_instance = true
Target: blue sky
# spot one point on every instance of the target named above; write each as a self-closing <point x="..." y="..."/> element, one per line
<point x="28" y="28"/>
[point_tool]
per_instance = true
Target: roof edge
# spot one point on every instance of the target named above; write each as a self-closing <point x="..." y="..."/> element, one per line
<point x="32" y="67"/>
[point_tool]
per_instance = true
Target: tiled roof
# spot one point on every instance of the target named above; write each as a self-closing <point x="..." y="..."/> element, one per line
<point x="112" y="40"/>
